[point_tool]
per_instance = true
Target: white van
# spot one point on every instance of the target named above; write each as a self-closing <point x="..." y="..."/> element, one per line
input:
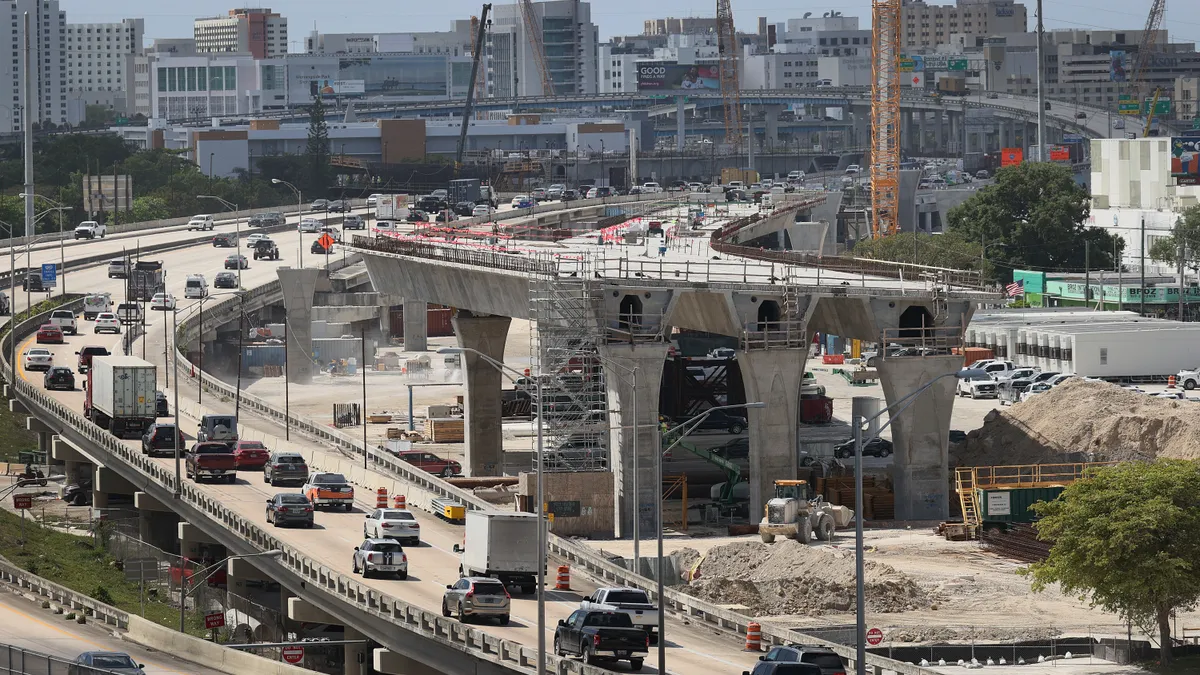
<point x="196" y="287"/>
<point x="96" y="303"/>
<point x="204" y="221"/>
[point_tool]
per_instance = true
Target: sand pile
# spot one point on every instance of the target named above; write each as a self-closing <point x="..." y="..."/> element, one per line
<point x="790" y="578"/>
<point x="1084" y="421"/>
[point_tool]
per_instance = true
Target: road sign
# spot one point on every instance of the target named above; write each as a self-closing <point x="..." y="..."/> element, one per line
<point x="24" y="501"/>
<point x="49" y="273"/>
<point x="956" y="64"/>
<point x="1161" y="107"/>
<point x="214" y="621"/>
<point x="1126" y="105"/>
<point x="874" y="636"/>
<point x="907" y="65"/>
<point x="326" y="241"/>
<point x="140" y="569"/>
<point x="293" y="654"/>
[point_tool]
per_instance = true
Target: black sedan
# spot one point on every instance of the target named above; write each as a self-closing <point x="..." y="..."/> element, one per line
<point x="876" y="447"/>
<point x="160" y="439"/>
<point x="238" y="261"/>
<point x="417" y="216"/>
<point x="464" y="208"/>
<point x="289" y="508"/>
<point x="738" y="448"/>
<point x="318" y="249"/>
<point x="59" y="377"/>
<point x="720" y="420"/>
<point x="225" y="280"/>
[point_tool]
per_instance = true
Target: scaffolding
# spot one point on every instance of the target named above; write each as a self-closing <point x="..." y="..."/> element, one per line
<point x="563" y="344"/>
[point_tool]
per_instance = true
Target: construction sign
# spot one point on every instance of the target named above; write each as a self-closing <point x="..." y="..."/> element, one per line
<point x="1011" y="156"/>
<point x="1060" y="153"/>
<point x="916" y="80"/>
<point x="326" y="241"/>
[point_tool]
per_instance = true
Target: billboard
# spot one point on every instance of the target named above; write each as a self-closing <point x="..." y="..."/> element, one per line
<point x="337" y="87"/>
<point x="667" y="76"/>
<point x="1060" y="153"/>
<point x="1116" y="66"/>
<point x="1185" y="161"/>
<point x="1011" y="156"/>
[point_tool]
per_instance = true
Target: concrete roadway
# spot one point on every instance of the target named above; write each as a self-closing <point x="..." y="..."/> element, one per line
<point x="24" y="624"/>
<point x="431" y="566"/>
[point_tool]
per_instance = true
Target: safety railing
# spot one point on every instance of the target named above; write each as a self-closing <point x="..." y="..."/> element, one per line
<point x="1025" y="475"/>
<point x="20" y="661"/>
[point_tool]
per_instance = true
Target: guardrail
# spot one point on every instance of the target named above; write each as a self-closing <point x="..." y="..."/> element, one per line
<point x="19" y="661"/>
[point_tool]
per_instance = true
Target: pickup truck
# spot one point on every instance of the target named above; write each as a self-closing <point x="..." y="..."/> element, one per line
<point x="90" y="229"/>
<point x="601" y="636"/>
<point x="211" y="460"/>
<point x="629" y="601"/>
<point x="65" y="320"/>
<point x="329" y="489"/>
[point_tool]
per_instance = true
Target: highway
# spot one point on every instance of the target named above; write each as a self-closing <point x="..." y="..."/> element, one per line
<point x="331" y="542"/>
<point x="24" y="624"/>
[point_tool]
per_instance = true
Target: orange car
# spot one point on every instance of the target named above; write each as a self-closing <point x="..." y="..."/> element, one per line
<point x="329" y="489"/>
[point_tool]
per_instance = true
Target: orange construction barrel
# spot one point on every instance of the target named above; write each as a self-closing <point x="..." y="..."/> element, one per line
<point x="753" y="637"/>
<point x="400" y="502"/>
<point x="563" y="583"/>
<point x="381" y="498"/>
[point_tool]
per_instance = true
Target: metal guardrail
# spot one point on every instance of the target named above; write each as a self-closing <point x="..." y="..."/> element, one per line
<point x="20" y="661"/>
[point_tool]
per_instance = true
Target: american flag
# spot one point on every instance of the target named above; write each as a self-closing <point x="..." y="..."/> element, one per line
<point x="1015" y="288"/>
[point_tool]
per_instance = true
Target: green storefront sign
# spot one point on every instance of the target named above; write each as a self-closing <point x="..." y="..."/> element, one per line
<point x="1127" y="293"/>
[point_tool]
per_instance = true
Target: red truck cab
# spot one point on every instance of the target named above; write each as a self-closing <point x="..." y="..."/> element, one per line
<point x="211" y="460"/>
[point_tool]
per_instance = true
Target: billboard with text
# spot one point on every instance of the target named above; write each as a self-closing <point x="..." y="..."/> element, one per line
<point x="1185" y="161"/>
<point x="671" y="76"/>
<point x="1011" y="156"/>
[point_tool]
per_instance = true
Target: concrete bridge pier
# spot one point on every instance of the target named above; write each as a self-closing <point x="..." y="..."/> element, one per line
<point x="192" y="540"/>
<point x="416" y="325"/>
<point x="922" y="133"/>
<point x="772" y="377"/>
<point x="772" y="119"/>
<point x="298" y="287"/>
<point x="920" y="435"/>
<point x="619" y="361"/>
<point x="391" y="663"/>
<point x="482" y="404"/>
<point x="158" y="525"/>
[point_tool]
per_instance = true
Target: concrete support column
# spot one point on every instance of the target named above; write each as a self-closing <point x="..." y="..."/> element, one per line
<point x="72" y="470"/>
<point x="357" y="656"/>
<point x="390" y="663"/>
<point x="619" y="362"/>
<point x="680" y="126"/>
<point x="939" y="132"/>
<point x="920" y="436"/>
<point x="922" y="133"/>
<point x="906" y="133"/>
<point x="191" y="539"/>
<point x="772" y="377"/>
<point x="298" y="286"/>
<point x="416" y="325"/>
<point x="772" y="117"/>
<point x="482" y="405"/>
<point x="159" y="528"/>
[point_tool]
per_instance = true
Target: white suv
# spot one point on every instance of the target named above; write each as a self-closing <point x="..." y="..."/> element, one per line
<point x="89" y="229"/>
<point x="201" y="222"/>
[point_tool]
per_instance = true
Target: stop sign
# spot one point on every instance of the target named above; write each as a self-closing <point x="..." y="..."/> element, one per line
<point x="874" y="636"/>
<point x="293" y="654"/>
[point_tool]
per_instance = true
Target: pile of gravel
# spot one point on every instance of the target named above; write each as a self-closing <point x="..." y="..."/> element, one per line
<point x="788" y="577"/>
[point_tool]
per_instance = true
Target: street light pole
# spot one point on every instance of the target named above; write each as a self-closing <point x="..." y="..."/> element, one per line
<point x="203" y="576"/>
<point x="175" y="391"/>
<point x="299" y="211"/>
<point x="237" y="230"/>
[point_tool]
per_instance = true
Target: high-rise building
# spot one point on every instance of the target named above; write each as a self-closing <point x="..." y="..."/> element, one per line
<point x="571" y="43"/>
<point x="100" y="58"/>
<point x="50" y="70"/>
<point x="673" y="26"/>
<point x="454" y="42"/>
<point x="927" y="26"/>
<point x="258" y="32"/>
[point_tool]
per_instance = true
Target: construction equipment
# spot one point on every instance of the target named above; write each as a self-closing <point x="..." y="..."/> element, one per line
<point x="731" y="96"/>
<point x="793" y="513"/>
<point x="1142" y="59"/>
<point x="733" y="472"/>
<point x="481" y="76"/>
<point x="475" y="57"/>
<point x="885" y="117"/>
<point x="973" y="483"/>
<point x="534" y="28"/>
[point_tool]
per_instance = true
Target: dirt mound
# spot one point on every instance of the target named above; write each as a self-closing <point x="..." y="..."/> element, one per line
<point x="790" y="578"/>
<point x="1081" y="420"/>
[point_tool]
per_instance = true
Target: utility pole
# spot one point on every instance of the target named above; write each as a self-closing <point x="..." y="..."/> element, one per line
<point x="1142" y="267"/>
<point x="1041" y="91"/>
<point x="30" y="109"/>
<point x="1087" y="273"/>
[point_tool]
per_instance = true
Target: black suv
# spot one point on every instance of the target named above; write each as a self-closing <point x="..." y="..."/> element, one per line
<point x="354" y="222"/>
<point x="266" y="250"/>
<point x="59" y="377"/>
<point x="225" y="241"/>
<point x="266" y="219"/>
<point x="876" y="447"/>
<point x="318" y="249"/>
<point x="158" y="439"/>
<point x="226" y="280"/>
<point x="430" y="203"/>
<point x="464" y="208"/>
<point x="161" y="407"/>
<point x="824" y="658"/>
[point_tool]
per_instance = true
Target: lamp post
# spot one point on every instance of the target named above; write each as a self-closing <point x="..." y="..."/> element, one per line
<point x="691" y="425"/>
<point x="541" y="504"/>
<point x="237" y="225"/>
<point x="57" y="206"/>
<point x="860" y="656"/>
<point x="299" y="210"/>
<point x="203" y="576"/>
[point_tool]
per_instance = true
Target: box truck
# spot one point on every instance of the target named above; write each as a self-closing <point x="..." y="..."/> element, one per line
<point x="502" y="546"/>
<point x="119" y="395"/>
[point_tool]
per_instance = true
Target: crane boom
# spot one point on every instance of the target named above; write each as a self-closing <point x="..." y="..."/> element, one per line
<point x="466" y="118"/>
<point x="731" y="97"/>
<point x="885" y="117"/>
<point x="534" y="29"/>
<point x="1145" y="52"/>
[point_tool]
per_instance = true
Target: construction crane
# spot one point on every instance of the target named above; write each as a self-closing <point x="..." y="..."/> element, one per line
<point x="534" y="28"/>
<point x="1145" y="54"/>
<point x="480" y="26"/>
<point x="885" y="117"/>
<point x="731" y="96"/>
<point x="481" y="77"/>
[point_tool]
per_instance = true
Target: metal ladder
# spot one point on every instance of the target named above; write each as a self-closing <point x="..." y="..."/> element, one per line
<point x="964" y="479"/>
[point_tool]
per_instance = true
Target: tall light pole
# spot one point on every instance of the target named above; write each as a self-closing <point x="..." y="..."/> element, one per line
<point x="62" y="256"/>
<point x="299" y="212"/>
<point x="860" y="619"/>
<point x="203" y="575"/>
<point x="237" y="225"/>
<point x="541" y="496"/>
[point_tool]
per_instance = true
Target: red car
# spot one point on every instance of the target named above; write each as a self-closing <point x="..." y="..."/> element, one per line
<point x="49" y="334"/>
<point x="250" y="454"/>
<point x="430" y="462"/>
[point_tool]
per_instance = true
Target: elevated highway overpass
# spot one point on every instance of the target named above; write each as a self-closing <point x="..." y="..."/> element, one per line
<point x="404" y="617"/>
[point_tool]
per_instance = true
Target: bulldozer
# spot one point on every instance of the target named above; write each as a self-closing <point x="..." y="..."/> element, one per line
<point x="792" y="512"/>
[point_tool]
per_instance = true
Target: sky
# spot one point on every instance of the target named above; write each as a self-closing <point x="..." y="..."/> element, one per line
<point x="615" y="17"/>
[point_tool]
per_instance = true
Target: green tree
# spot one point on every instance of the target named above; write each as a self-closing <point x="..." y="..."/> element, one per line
<point x="1034" y="217"/>
<point x="943" y="250"/>
<point x="1185" y="237"/>
<point x="148" y="208"/>
<point x="317" y="150"/>
<point x="1128" y="540"/>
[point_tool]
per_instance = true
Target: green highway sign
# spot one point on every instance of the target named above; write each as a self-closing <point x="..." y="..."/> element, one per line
<point x="956" y="64"/>
<point x="907" y="65"/>
<point x="1161" y="107"/>
<point x="1128" y="106"/>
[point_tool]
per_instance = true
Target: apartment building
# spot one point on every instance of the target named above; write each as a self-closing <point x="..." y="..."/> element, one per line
<point x="100" y="60"/>
<point x="257" y="31"/>
<point x="49" y="26"/>
<point x="926" y="26"/>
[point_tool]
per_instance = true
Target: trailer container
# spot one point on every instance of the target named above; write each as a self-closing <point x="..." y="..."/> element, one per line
<point x="120" y="394"/>
<point x="1014" y="505"/>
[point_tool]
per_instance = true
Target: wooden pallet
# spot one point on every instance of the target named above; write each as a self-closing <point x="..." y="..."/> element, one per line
<point x="445" y="430"/>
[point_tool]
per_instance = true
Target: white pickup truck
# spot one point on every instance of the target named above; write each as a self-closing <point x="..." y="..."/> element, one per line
<point x="90" y="229"/>
<point x="631" y="601"/>
<point x="1188" y="378"/>
<point x="65" y="320"/>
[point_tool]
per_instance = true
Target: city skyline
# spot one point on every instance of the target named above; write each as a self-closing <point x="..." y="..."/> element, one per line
<point x="614" y="17"/>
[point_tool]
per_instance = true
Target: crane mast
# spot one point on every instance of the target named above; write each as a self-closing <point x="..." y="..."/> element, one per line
<point x="731" y="97"/>
<point x="885" y="116"/>
<point x="534" y="29"/>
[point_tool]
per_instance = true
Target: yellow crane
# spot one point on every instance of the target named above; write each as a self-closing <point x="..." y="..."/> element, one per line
<point x="885" y="117"/>
<point x="534" y="28"/>
<point x="728" y="51"/>
<point x="1143" y="58"/>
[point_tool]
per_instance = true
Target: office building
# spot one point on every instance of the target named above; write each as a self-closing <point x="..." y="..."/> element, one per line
<point x="258" y="32"/>
<point x="571" y="44"/>
<point x="100" y="61"/>
<point x="455" y="42"/>
<point x="618" y="68"/>
<point x="673" y="26"/>
<point x="49" y="72"/>
<point x="925" y="26"/>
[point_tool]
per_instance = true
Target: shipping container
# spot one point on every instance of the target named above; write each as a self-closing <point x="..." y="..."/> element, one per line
<point x="256" y="356"/>
<point x="1013" y="505"/>
<point x="464" y="190"/>
<point x="973" y="354"/>
<point x="337" y="349"/>
<point x="438" y="321"/>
